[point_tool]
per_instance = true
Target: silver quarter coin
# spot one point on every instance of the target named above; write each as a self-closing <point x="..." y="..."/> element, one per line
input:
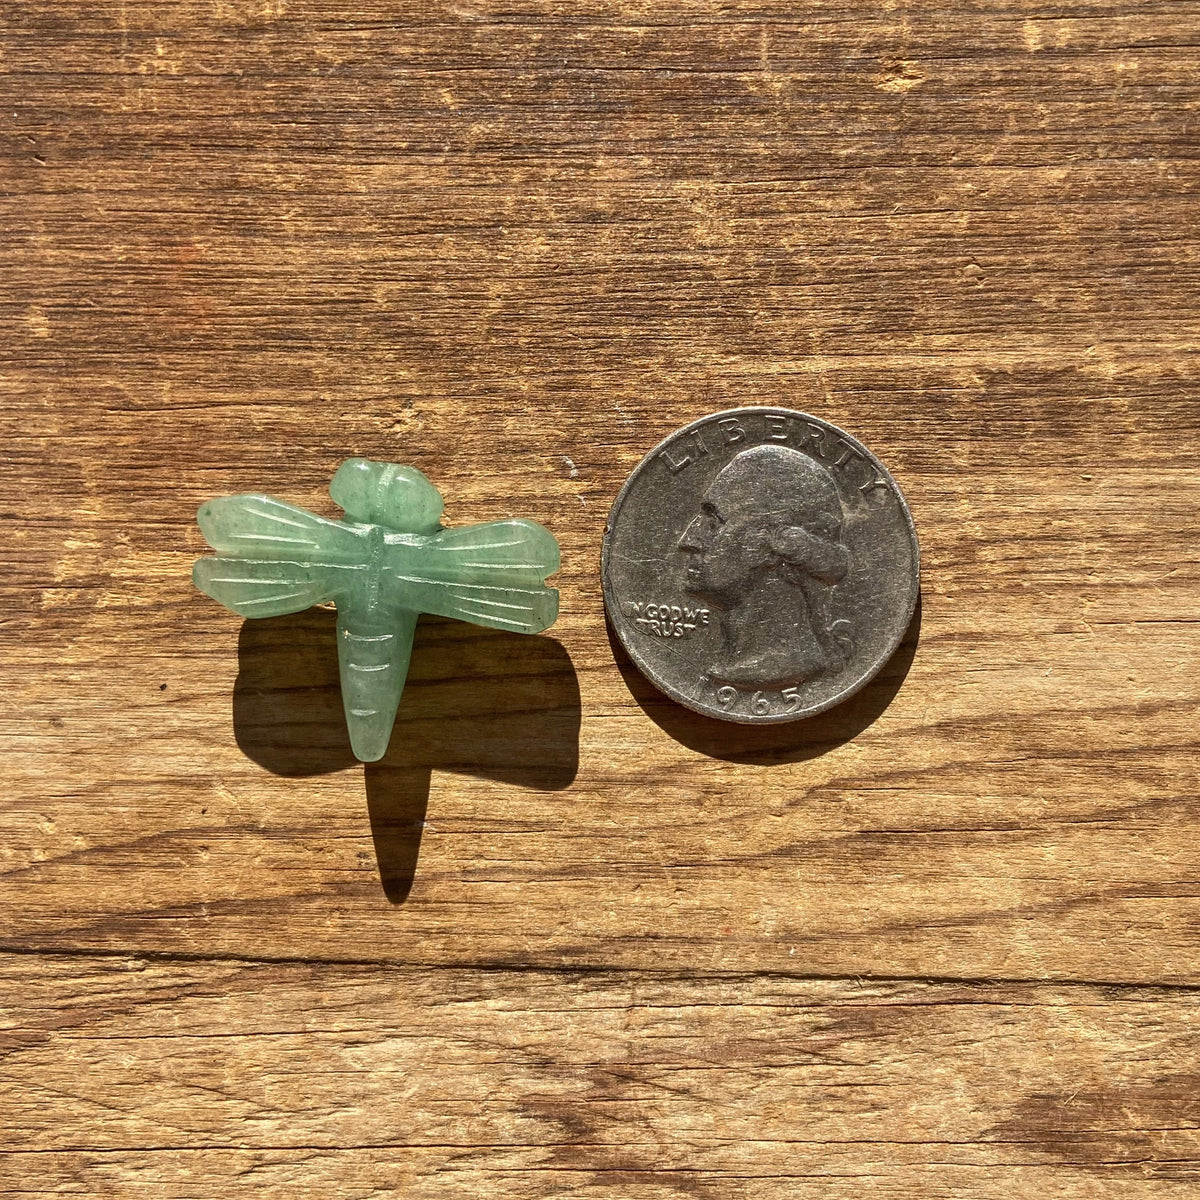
<point x="760" y="565"/>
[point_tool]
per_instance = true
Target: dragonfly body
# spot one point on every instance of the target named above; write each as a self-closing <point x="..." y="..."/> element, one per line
<point x="389" y="561"/>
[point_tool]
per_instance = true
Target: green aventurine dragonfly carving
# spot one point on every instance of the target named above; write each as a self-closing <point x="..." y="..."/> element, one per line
<point x="385" y="563"/>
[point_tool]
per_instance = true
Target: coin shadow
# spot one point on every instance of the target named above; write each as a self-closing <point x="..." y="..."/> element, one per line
<point x="477" y="702"/>
<point x="793" y="741"/>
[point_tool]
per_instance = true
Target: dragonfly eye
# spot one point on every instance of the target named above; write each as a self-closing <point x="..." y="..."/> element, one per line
<point x="376" y="493"/>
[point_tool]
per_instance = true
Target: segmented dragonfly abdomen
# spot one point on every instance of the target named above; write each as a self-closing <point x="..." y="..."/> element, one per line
<point x="373" y="652"/>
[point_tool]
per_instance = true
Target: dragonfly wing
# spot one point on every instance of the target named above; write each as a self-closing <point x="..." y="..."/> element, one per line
<point x="522" y="551"/>
<point x="520" y="610"/>
<point x="488" y="574"/>
<point x="373" y="652"/>
<point x="258" y="588"/>
<point x="265" y="528"/>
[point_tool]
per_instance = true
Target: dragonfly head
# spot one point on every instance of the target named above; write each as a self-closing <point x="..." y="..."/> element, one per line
<point x="377" y="493"/>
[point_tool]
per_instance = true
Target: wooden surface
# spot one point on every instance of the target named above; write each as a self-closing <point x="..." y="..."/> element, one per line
<point x="568" y="939"/>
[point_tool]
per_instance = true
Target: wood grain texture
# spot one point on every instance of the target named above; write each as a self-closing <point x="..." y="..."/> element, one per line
<point x="568" y="939"/>
<point x="315" y="1079"/>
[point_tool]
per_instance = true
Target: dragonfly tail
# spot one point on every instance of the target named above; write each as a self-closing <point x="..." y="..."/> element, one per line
<point x="373" y="654"/>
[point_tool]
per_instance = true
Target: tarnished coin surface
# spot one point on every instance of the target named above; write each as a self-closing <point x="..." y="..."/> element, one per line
<point x="760" y="565"/>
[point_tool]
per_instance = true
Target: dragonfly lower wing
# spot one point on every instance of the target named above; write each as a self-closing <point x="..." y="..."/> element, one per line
<point x="257" y="588"/>
<point x="520" y="610"/>
<point x="373" y="653"/>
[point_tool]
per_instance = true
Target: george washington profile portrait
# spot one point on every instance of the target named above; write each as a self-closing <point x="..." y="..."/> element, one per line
<point x="765" y="552"/>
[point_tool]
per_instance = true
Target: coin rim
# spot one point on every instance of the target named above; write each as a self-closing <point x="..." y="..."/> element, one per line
<point x="610" y="603"/>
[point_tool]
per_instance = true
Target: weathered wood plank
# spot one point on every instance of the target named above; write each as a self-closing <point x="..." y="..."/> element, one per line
<point x="141" y="1078"/>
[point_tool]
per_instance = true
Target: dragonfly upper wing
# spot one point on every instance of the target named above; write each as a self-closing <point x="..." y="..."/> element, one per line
<point x="523" y="552"/>
<point x="253" y="526"/>
<point x="489" y="574"/>
<point x="269" y="588"/>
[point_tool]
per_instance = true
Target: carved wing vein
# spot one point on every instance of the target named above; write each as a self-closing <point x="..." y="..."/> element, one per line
<point x="490" y="603"/>
<point x="276" y="598"/>
<point x="237" y="579"/>
<point x="271" y="537"/>
<point x="492" y="619"/>
<point x="516" y="566"/>
<point x="267" y="515"/>
<point x="470" y="549"/>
